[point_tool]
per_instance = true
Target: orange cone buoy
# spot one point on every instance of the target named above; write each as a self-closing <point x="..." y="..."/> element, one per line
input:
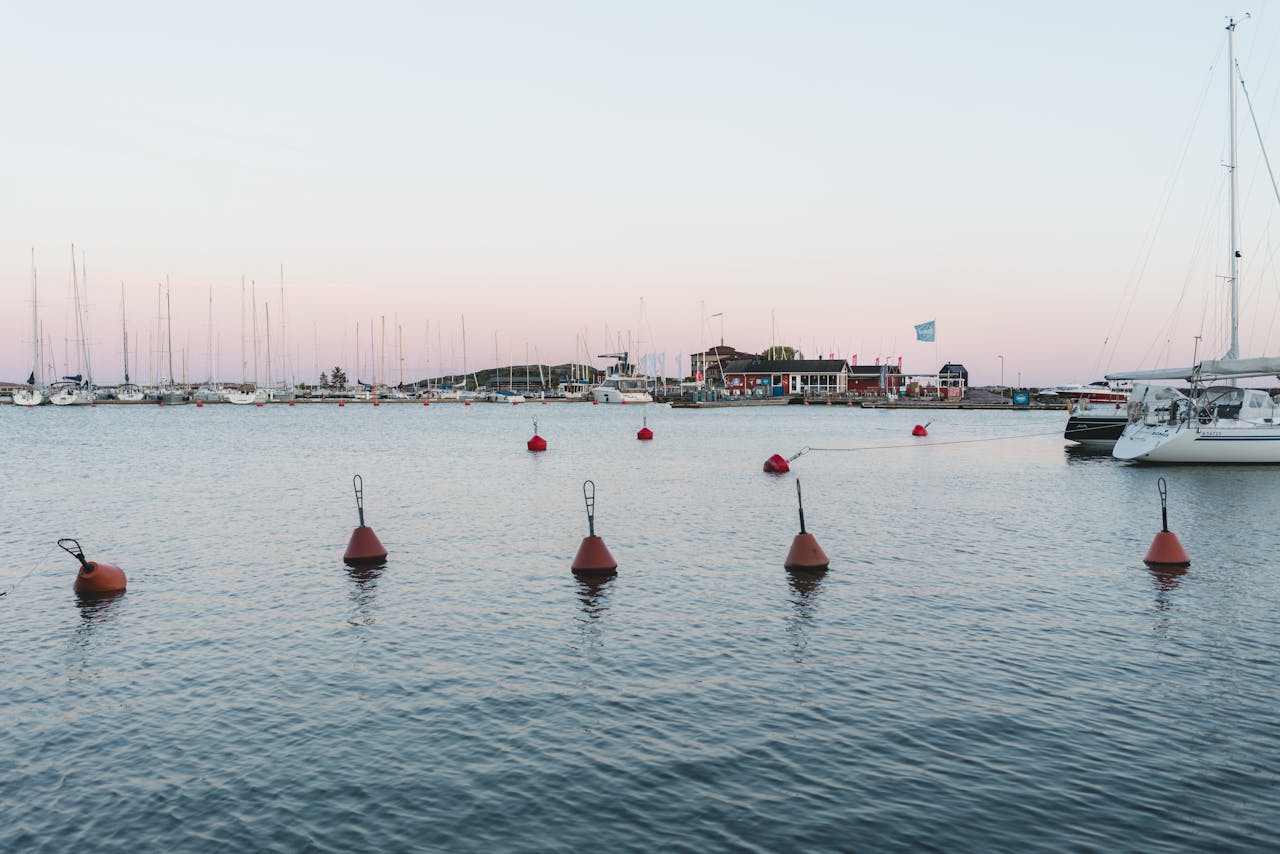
<point x="593" y="556"/>
<point x="364" y="547"/>
<point x="95" y="578"/>
<point x="537" y="443"/>
<point x="1165" y="549"/>
<point x="920" y="429"/>
<point x="644" y="434"/>
<point x="777" y="464"/>
<point x="805" y="553"/>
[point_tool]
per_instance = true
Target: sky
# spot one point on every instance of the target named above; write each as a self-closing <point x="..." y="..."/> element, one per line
<point x="1045" y="181"/>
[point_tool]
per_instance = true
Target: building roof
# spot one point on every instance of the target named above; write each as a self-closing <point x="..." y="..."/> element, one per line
<point x="873" y="370"/>
<point x="787" y="366"/>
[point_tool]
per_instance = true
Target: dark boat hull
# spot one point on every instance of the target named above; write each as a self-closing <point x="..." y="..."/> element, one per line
<point x="1096" y="431"/>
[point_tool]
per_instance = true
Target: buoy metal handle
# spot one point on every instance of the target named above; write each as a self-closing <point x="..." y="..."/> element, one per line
<point x="535" y="426"/>
<point x="798" y="454"/>
<point x="358" y="483"/>
<point x="589" y="496"/>
<point x="74" y="550"/>
<point x="800" y="501"/>
<point x="1164" y="503"/>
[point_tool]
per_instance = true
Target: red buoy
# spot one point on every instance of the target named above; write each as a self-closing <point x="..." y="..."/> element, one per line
<point x="595" y="403"/>
<point x="644" y="434"/>
<point x="199" y="404"/>
<point x="340" y="403"/>
<point x="364" y="547"/>
<point x="95" y="578"/>
<point x="805" y="553"/>
<point x="920" y="429"/>
<point x="1165" y="549"/>
<point x="593" y="557"/>
<point x="537" y="443"/>
<point x="777" y="464"/>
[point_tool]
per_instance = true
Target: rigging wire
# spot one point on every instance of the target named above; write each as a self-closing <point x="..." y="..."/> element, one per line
<point x="807" y="449"/>
<point x="1114" y="334"/>
<point x="28" y="574"/>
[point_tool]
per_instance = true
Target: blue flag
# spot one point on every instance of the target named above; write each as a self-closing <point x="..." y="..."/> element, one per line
<point x="925" y="331"/>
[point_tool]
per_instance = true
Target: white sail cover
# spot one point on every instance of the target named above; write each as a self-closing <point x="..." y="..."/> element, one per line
<point x="1261" y="366"/>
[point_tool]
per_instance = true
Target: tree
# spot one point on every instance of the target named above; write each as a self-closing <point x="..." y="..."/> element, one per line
<point x="783" y="352"/>
<point x="338" y="377"/>
<point x="324" y="380"/>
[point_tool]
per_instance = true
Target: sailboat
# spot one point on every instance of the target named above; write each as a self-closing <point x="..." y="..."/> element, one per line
<point x="127" y="391"/>
<point x="1213" y="420"/>
<point x="170" y="393"/>
<point x="33" y="394"/>
<point x="77" y="389"/>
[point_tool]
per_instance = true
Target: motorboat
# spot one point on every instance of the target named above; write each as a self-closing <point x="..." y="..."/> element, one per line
<point x="622" y="384"/>
<point x="1097" y="412"/>
<point x="505" y="395"/>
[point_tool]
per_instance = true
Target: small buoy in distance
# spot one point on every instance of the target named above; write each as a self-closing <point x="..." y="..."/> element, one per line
<point x="777" y="464"/>
<point x="805" y="553"/>
<point x="95" y="578"/>
<point x="593" y="557"/>
<point x="1166" y="550"/>
<point x="644" y="434"/>
<point x="537" y="443"/>
<point x="364" y="547"/>
<point x="920" y="429"/>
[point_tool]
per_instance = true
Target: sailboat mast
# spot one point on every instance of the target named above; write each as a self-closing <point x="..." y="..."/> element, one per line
<point x="84" y="286"/>
<point x="1233" y="351"/>
<point x="244" y="358"/>
<point x="168" y="312"/>
<point x="253" y="295"/>
<point x="266" y="307"/>
<point x="37" y="369"/>
<point x="211" y="335"/>
<point x="124" y="329"/>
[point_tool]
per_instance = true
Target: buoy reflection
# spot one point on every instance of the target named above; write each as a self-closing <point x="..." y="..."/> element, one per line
<point x="363" y="593"/>
<point x="593" y="602"/>
<point x="1167" y="578"/>
<point x="806" y="585"/>
<point x="96" y="609"/>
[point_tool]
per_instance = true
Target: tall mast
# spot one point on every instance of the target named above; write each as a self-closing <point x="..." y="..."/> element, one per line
<point x="253" y="295"/>
<point x="124" y="328"/>
<point x="266" y="307"/>
<point x="211" y="335"/>
<point x="84" y="283"/>
<point x="284" y="348"/>
<point x="1233" y="351"/>
<point x="37" y="369"/>
<point x="464" y="353"/>
<point x="244" y="358"/>
<point x="168" y="311"/>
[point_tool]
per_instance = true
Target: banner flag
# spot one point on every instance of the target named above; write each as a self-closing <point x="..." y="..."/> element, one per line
<point x="925" y="331"/>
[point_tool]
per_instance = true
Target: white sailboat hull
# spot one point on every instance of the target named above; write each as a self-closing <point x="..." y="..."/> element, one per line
<point x="28" y="397"/>
<point x="1238" y="442"/>
<point x="72" y="397"/>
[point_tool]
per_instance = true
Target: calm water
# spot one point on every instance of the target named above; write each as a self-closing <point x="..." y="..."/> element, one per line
<point x="988" y="664"/>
